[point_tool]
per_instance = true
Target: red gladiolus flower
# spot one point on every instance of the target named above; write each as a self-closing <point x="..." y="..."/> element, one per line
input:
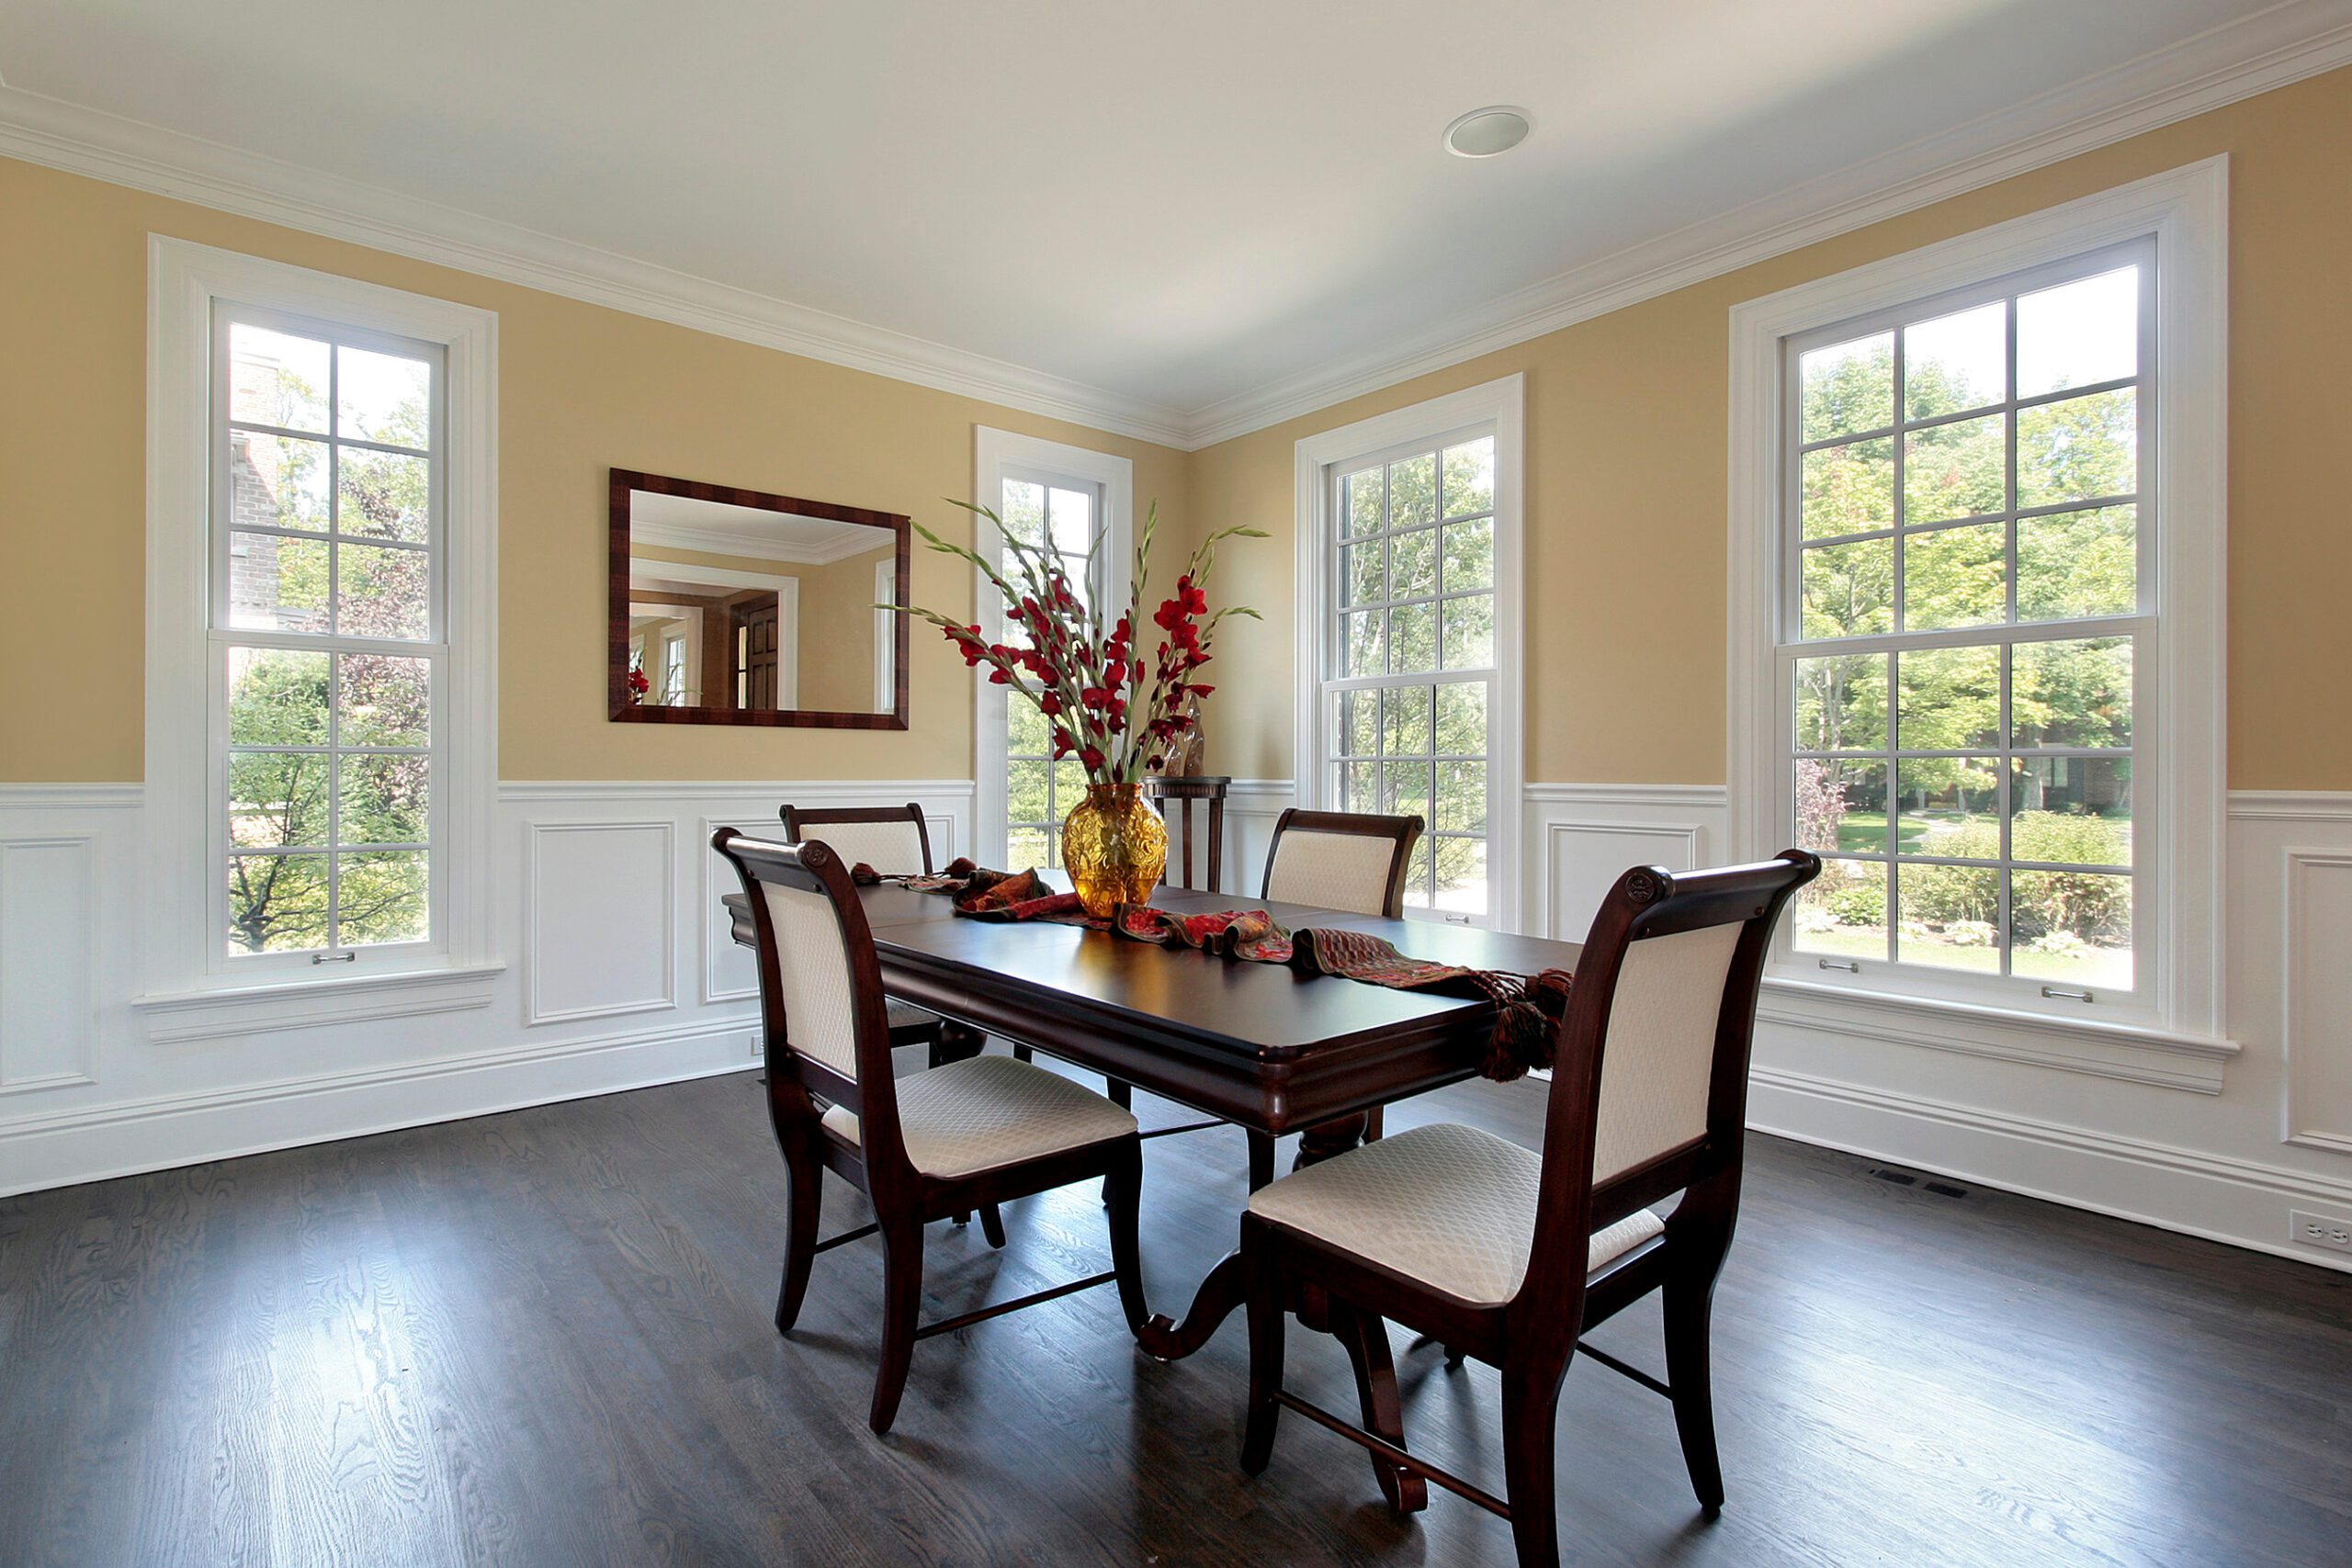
<point x="1091" y="757"/>
<point x="1199" y="691"/>
<point x="1051" y="702"/>
<point x="1000" y="678"/>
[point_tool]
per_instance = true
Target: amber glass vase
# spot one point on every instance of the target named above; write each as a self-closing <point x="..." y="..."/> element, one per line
<point x="1114" y="847"/>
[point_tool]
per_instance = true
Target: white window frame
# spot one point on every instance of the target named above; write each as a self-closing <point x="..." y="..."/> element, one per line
<point x="1498" y="407"/>
<point x="185" y="962"/>
<point x="999" y="455"/>
<point x="2179" y="745"/>
<point x="886" y="637"/>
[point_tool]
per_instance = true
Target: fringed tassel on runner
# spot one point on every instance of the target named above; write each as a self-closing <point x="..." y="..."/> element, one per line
<point x="1528" y="1012"/>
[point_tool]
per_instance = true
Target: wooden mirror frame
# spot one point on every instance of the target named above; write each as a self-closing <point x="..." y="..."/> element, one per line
<point x="624" y="480"/>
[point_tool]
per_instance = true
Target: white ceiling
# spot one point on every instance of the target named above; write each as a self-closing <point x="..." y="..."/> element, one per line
<point x="1185" y="211"/>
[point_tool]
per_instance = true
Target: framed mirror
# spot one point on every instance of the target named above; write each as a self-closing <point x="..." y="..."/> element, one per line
<point x="734" y="606"/>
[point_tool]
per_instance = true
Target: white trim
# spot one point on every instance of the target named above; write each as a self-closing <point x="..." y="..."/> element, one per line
<point x="772" y="793"/>
<point x="72" y="796"/>
<point x="751" y="545"/>
<point x="2290" y="805"/>
<point x="1503" y="404"/>
<point x="183" y="280"/>
<point x="535" y="1012"/>
<point x="1694" y="796"/>
<point x="310" y="1004"/>
<point x="2304" y="1044"/>
<point x="993" y="452"/>
<point x="2185" y="212"/>
<point x="644" y="571"/>
<point x="886" y="637"/>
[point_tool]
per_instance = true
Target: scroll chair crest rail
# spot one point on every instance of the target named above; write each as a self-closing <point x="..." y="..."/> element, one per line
<point x="965" y="1135"/>
<point x="1511" y="1256"/>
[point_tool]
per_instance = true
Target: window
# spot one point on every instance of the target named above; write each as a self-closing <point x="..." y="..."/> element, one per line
<point x="318" y="630"/>
<point x="1411" y="602"/>
<point x="1983" y="526"/>
<point x="1061" y="497"/>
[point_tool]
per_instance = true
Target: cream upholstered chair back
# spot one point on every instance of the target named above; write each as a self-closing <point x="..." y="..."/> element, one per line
<point x="1658" y="1051"/>
<point x="892" y="839"/>
<point x="819" y="981"/>
<point x="1342" y="861"/>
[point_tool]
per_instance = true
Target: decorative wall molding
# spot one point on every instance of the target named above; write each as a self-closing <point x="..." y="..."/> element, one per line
<point x="2274" y="47"/>
<point x="49" y="979"/>
<point x="2290" y="805"/>
<point x="775" y="792"/>
<point x="2315" y="998"/>
<point x="1694" y="796"/>
<point x="72" y="796"/>
<point x="577" y="908"/>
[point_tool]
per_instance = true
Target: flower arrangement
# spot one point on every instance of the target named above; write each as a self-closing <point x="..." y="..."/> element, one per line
<point x="1117" y="708"/>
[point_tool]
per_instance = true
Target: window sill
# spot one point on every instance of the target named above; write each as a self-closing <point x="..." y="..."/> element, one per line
<point x="312" y="1004"/>
<point x="2131" y="1053"/>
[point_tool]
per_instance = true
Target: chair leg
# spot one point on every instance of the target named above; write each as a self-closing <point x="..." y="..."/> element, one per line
<point x="1125" y="1201"/>
<point x="1366" y="1338"/>
<point x="807" y="1177"/>
<point x="1376" y="1122"/>
<point x="1531" y="1420"/>
<point x="1020" y="1052"/>
<point x="1687" y="1301"/>
<point x="1261" y="1159"/>
<point x="1263" y="1282"/>
<point x="1122" y="1093"/>
<point x="992" y="1225"/>
<point x="902" y="1295"/>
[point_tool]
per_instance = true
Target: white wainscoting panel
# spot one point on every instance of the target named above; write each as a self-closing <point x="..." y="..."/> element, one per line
<point x="1585" y="836"/>
<point x="604" y="919"/>
<point x="2318" y="1000"/>
<point x="1251" y="807"/>
<point x="48" y="961"/>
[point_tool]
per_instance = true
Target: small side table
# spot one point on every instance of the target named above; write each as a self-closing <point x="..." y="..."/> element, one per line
<point x="1210" y="787"/>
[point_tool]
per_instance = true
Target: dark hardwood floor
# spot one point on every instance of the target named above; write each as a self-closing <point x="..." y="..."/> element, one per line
<point x="543" y="1338"/>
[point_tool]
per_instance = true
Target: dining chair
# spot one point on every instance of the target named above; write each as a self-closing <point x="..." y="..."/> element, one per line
<point x="1510" y="1256"/>
<point x="965" y="1135"/>
<point x="895" y="841"/>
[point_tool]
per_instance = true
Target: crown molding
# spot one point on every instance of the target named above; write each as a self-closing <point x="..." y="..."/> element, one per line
<point x="2272" y="48"/>
<point x="748" y="545"/>
<point x="59" y="135"/>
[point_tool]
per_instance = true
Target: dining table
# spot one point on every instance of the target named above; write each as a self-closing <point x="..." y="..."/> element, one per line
<point x="1269" y="1047"/>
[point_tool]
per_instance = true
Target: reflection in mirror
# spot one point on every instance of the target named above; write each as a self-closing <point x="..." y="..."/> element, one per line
<point x="737" y="607"/>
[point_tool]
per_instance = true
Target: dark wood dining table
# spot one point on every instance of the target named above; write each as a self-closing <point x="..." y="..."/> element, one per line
<point x="1259" y="1045"/>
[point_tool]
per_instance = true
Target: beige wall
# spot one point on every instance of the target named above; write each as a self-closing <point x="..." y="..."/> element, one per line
<point x="1627" y="431"/>
<point x="581" y="389"/>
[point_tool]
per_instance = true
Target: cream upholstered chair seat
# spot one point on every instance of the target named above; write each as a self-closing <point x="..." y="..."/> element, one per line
<point x="961" y="1118"/>
<point x="1448" y="1205"/>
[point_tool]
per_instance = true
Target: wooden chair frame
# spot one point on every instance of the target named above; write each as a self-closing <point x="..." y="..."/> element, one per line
<point x="1532" y="1337"/>
<point x="904" y="1199"/>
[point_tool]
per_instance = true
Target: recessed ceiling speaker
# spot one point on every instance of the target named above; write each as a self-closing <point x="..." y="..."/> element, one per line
<point x="1482" y="133"/>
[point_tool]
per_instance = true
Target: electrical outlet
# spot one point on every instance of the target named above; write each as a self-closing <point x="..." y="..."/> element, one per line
<point x="754" y="1041"/>
<point x="2318" y="1230"/>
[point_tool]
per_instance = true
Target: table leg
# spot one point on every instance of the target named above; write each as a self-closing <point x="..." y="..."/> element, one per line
<point x="958" y="1042"/>
<point x="1330" y="1140"/>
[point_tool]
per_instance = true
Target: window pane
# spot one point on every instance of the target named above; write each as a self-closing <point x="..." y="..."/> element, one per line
<point x="2071" y="693"/>
<point x="1026" y="732"/>
<point x="1850" y="588"/>
<point x="1361" y="641"/>
<point x="1841" y="805"/>
<point x="2071" y="810"/>
<point x="1956" y="577"/>
<point x="383" y="397"/>
<point x="1843" y="911"/>
<point x="1470" y="632"/>
<point x="1363" y="573"/>
<point x="1417" y="877"/>
<point x="1412" y="565"/>
<point x="2073" y="928"/>
<point x="1469" y="552"/>
<point x="2079" y="449"/>
<point x="1469" y="478"/>
<point x="1461" y="865"/>
<point x="278" y="481"/>
<point x="1025" y="847"/>
<point x="1405" y="721"/>
<point x="1024" y="511"/>
<point x="1362" y="505"/>
<point x="277" y="800"/>
<point x="1413" y="492"/>
<point x="381" y="592"/>
<point x="386" y="700"/>
<point x="385" y="799"/>
<point x="1848" y="386"/>
<point x="1950" y="699"/>
<point x="277" y="584"/>
<point x="1952" y="918"/>
<point x="2079" y="333"/>
<point x="1025" y="791"/>
<point x="1949" y="806"/>
<point x="1407" y="786"/>
<point x="1849" y="488"/>
<point x="1461" y="719"/>
<point x="1069" y="515"/>
<point x="383" y="897"/>
<point x="277" y="697"/>
<point x="383" y="495"/>
<point x="1360" y="786"/>
<point x="1959" y="469"/>
<point x="1412" y="639"/>
<point x="1956" y="362"/>
<point x="276" y="903"/>
<point x="2072" y="564"/>
<point x="1841" y="703"/>
<point x="1461" y="797"/>
<point x="277" y="379"/>
<point x="1358" y="724"/>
